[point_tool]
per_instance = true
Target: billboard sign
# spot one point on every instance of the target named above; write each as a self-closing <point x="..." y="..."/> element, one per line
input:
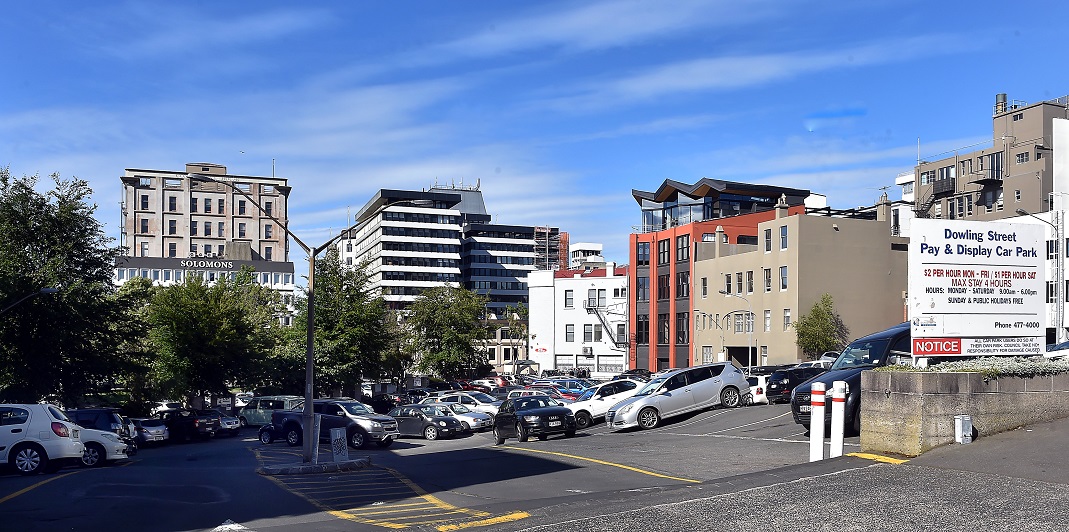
<point x="976" y="288"/>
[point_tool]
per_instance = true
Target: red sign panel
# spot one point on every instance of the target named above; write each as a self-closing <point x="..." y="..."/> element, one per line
<point x="936" y="346"/>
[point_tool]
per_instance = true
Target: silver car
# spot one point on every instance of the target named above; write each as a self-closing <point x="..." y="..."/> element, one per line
<point x="678" y="392"/>
<point x="470" y="419"/>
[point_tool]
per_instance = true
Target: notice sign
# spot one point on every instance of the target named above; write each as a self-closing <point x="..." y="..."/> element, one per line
<point x="976" y="288"/>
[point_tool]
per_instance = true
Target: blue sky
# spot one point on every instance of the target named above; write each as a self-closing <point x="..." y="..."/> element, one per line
<point x="557" y="109"/>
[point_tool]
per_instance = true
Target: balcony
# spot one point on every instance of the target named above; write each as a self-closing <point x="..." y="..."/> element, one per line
<point x="943" y="186"/>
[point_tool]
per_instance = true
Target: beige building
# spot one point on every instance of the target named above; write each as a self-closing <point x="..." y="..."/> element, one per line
<point x="1016" y="172"/>
<point x="852" y="255"/>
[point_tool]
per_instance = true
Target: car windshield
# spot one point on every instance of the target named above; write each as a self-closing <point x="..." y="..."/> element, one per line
<point x="460" y="409"/>
<point x="482" y="397"/>
<point x="861" y="354"/>
<point x="588" y="394"/>
<point x="356" y="409"/>
<point x="651" y="386"/>
<point x="534" y="401"/>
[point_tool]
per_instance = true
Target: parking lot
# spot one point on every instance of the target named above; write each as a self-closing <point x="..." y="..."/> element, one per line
<point x="445" y="484"/>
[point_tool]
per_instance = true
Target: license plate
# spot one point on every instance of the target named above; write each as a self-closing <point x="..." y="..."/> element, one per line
<point x="554" y="423"/>
<point x="805" y="408"/>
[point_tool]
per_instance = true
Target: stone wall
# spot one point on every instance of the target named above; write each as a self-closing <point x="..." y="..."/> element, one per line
<point x="908" y="413"/>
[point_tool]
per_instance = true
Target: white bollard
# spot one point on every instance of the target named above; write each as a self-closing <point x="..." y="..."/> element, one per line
<point x="838" y="418"/>
<point x="816" y="423"/>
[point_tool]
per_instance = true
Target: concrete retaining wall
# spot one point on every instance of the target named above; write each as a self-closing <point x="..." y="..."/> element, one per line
<point x="909" y="413"/>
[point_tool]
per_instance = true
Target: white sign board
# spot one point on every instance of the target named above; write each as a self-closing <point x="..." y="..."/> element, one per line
<point x="976" y="288"/>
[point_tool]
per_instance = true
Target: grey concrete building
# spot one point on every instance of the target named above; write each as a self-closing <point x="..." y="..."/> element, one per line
<point x="854" y="255"/>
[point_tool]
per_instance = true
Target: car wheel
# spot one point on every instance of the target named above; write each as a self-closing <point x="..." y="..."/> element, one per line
<point x="521" y="432"/>
<point x="465" y="426"/>
<point x="856" y="425"/>
<point x="29" y="460"/>
<point x="582" y="420"/>
<point x="498" y="438"/>
<point x="357" y="439"/>
<point x="266" y="437"/>
<point x="244" y="422"/>
<point x="430" y="433"/>
<point x="729" y="397"/>
<point x="648" y="418"/>
<point x="293" y="437"/>
<point x="93" y="455"/>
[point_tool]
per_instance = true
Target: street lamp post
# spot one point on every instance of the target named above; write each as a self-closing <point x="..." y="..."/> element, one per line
<point x="42" y="291"/>
<point x="1059" y="267"/>
<point x="749" y="329"/>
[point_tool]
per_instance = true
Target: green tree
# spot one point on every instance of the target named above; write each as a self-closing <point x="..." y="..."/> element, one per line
<point x="448" y="331"/>
<point x="822" y="329"/>
<point x="210" y="336"/>
<point x="62" y="346"/>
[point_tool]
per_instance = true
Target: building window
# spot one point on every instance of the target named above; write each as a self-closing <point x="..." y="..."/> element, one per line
<point x="193" y="205"/>
<point x="682" y="327"/>
<point x="662" y="329"/>
<point x="172" y="249"/>
<point x="740" y="322"/>
<point x="738" y="282"/>
<point x="172" y="203"/>
<point x="267" y="231"/>
<point x="588" y="333"/>
<point x="642" y="329"/>
<point x="998" y="204"/>
<point x="221" y="227"/>
<point x="144" y="249"/>
<point x="569" y="332"/>
<point x="220" y="248"/>
<point x="569" y="298"/>
<point x="1017" y="196"/>
<point x="749" y="282"/>
<point x="664" y="287"/>
<point x="664" y="251"/>
<point x="782" y="277"/>
<point x="683" y="284"/>
<point x="192" y="250"/>
<point x="786" y="319"/>
<point x="768" y="279"/>
<point x="268" y="208"/>
<point x="1018" y="116"/>
<point x="1022" y="157"/>
<point x="222" y="203"/>
<point x="783" y="237"/>
<point x="267" y="189"/>
<point x="241" y="206"/>
<point x="207" y="229"/>
<point x="621" y="334"/>
<point x="207" y="250"/>
<point x="705" y="287"/>
<point x="144" y="202"/>
<point x="619" y="292"/>
<point x="193" y="228"/>
<point x="643" y="289"/>
<point x="207" y="205"/>
<point x="144" y="225"/>
<point x="727" y="282"/>
<point x="241" y="230"/>
<point x="768" y="321"/>
<point x="682" y="248"/>
<point x="927" y="177"/>
<point x="267" y="253"/>
<point x="768" y="240"/>
<point x="968" y="205"/>
<point x="642" y="254"/>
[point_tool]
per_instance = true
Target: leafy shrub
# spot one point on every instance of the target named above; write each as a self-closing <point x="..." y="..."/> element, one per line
<point x="994" y="367"/>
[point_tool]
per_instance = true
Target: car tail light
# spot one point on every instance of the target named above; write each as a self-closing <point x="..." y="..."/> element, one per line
<point x="196" y="423"/>
<point x="759" y="390"/>
<point x="60" y="429"/>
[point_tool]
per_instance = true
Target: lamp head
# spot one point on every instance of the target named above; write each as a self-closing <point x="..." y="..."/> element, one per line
<point x="725" y="292"/>
<point x="1023" y="212"/>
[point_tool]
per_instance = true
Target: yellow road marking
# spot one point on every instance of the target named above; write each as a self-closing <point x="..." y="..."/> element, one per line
<point x="878" y="458"/>
<point x="603" y="462"/>
<point x="515" y="516"/>
<point x="37" y="485"/>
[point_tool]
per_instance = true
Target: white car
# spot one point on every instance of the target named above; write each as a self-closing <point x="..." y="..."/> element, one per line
<point x="758" y="390"/>
<point x="478" y="401"/>
<point x="596" y="400"/>
<point x="101" y="447"/>
<point x="470" y="419"/>
<point x="822" y="363"/>
<point x="37" y="437"/>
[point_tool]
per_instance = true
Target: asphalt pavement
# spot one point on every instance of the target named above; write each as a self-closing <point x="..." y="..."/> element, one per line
<point x="1017" y="480"/>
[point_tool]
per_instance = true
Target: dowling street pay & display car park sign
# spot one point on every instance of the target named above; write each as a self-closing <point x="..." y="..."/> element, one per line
<point x="976" y="288"/>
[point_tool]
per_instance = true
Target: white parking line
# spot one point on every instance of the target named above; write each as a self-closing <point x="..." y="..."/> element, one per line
<point x="752" y="438"/>
<point x="751" y="424"/>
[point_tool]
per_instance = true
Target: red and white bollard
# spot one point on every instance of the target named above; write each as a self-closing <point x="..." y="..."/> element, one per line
<point x="838" y="418"/>
<point x="816" y="423"/>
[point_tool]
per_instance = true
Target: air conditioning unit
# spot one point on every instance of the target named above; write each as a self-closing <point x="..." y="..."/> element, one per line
<point x="588" y="350"/>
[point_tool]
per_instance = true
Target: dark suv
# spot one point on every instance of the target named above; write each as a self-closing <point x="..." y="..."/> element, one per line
<point x="101" y="419"/>
<point x="872" y="351"/>
<point x="782" y="381"/>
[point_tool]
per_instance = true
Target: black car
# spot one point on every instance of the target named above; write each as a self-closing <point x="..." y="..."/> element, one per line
<point x="502" y="392"/>
<point x="429" y="421"/>
<point x="781" y="382"/>
<point x="107" y="419"/>
<point x="872" y="351"/>
<point x="532" y="415"/>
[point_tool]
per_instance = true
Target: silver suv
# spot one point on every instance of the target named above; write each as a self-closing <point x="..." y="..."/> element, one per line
<point x="678" y="392"/>
<point x="37" y="437"/>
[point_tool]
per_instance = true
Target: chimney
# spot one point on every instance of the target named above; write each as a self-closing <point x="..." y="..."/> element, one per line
<point x="781" y="207"/>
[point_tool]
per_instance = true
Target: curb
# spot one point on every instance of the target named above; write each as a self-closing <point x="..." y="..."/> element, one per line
<point x="325" y="467"/>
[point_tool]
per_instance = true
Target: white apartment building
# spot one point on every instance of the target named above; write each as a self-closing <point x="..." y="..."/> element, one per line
<point x="578" y="320"/>
<point x="581" y="252"/>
